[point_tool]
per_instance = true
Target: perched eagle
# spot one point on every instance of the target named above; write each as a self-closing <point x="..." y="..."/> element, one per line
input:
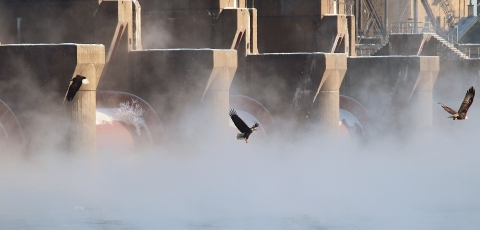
<point x="75" y="86"/>
<point x="462" y="111"/>
<point x="242" y="127"/>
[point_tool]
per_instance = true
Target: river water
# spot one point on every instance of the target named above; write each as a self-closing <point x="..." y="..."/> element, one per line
<point x="247" y="186"/>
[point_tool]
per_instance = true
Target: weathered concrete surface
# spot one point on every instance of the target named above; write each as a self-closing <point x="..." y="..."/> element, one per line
<point x="406" y="44"/>
<point x="426" y="44"/>
<point x="176" y="82"/>
<point x="328" y="95"/>
<point x="230" y="27"/>
<point x="397" y="88"/>
<point x="33" y="82"/>
<point x="454" y="79"/>
<point x="332" y="35"/>
<point x="303" y="86"/>
<point x="286" y="34"/>
<point x="208" y="25"/>
<point x="186" y="25"/>
<point x="12" y="140"/>
<point x="90" y="63"/>
<point x="352" y="33"/>
<point x="190" y="4"/>
<point x="76" y="21"/>
<point x="253" y="49"/>
<point x="287" y="27"/>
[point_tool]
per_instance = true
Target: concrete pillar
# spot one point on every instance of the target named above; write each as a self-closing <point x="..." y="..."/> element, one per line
<point x="421" y="98"/>
<point x="253" y="34"/>
<point x="470" y="10"/>
<point x="227" y="3"/>
<point x="90" y="63"/>
<point x="326" y="7"/>
<point x="341" y="6"/>
<point x="328" y="95"/>
<point x="352" y="35"/>
<point x="216" y="94"/>
<point x="124" y="22"/>
<point x="242" y="4"/>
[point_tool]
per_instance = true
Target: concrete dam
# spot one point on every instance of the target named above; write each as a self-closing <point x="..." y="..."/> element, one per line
<point x="157" y="68"/>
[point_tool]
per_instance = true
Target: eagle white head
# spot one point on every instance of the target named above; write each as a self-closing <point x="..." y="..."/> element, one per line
<point x="85" y="81"/>
<point x="254" y="127"/>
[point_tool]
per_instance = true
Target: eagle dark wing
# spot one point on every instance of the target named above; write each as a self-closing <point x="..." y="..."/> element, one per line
<point x="72" y="89"/>
<point x="239" y="122"/>
<point x="467" y="101"/>
<point x="448" y="109"/>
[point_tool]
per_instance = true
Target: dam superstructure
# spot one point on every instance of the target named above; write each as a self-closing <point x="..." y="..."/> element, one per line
<point x="323" y="65"/>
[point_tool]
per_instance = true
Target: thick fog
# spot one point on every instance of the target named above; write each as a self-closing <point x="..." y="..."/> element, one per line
<point x="203" y="183"/>
<point x="289" y="180"/>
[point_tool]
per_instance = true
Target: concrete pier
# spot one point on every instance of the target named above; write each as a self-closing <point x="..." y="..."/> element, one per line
<point x="328" y="92"/>
<point x="33" y="82"/>
<point x="304" y="86"/>
<point x="90" y="63"/>
<point x="397" y="88"/>
<point x="175" y="81"/>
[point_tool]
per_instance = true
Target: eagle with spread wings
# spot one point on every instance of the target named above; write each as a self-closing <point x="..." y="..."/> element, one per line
<point x="242" y="127"/>
<point x="462" y="111"/>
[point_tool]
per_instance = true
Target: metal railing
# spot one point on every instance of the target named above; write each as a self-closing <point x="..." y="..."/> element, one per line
<point x="472" y="51"/>
<point x="411" y="28"/>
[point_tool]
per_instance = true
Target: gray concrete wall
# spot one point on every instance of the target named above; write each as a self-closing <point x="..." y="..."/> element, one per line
<point x="406" y="44"/>
<point x="454" y="79"/>
<point x="34" y="80"/>
<point x="396" y="90"/>
<point x="183" y="84"/>
<point x="298" y="86"/>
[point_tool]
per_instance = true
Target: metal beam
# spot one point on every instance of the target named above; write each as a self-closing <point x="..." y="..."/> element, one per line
<point x="376" y="18"/>
<point x="429" y="13"/>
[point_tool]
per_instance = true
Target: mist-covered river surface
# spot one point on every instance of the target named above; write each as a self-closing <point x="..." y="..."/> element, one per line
<point x="247" y="186"/>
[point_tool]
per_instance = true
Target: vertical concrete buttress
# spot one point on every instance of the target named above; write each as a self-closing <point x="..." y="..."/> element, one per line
<point x="328" y="94"/>
<point x="253" y="34"/>
<point x="90" y="63"/>
<point x="216" y="94"/>
<point x="421" y="96"/>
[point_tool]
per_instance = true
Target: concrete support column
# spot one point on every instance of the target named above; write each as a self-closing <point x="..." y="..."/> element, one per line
<point x="82" y="110"/>
<point x="227" y="3"/>
<point x="421" y="98"/>
<point x="216" y="95"/>
<point x="328" y="106"/>
<point x="352" y="35"/>
<point x="252" y="47"/>
<point x="242" y="3"/>
<point x="341" y="6"/>
<point x="328" y="95"/>
<point x="326" y="7"/>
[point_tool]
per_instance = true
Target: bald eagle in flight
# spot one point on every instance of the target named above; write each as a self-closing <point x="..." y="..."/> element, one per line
<point x="462" y="111"/>
<point x="242" y="127"/>
<point x="75" y="86"/>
